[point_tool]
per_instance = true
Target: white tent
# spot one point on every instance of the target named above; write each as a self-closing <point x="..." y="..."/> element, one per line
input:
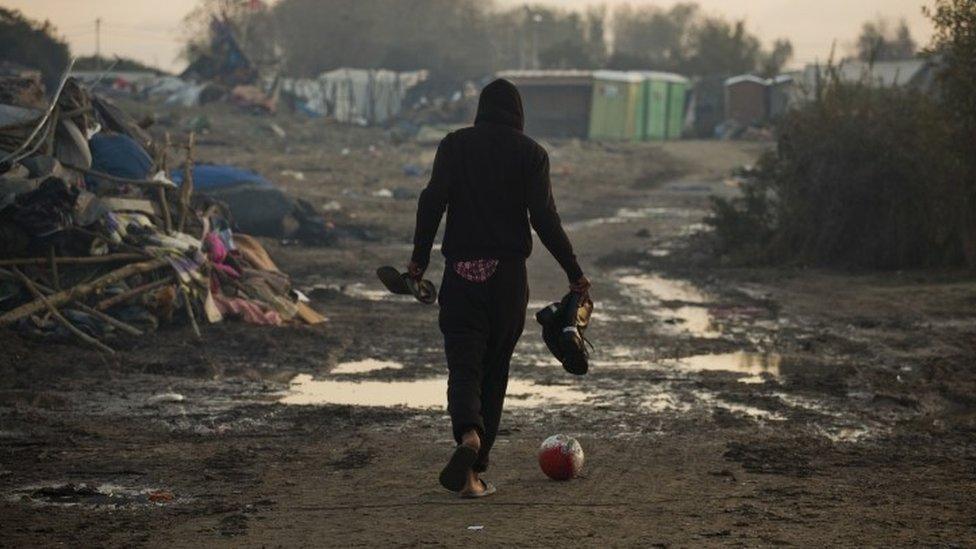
<point x="356" y="96"/>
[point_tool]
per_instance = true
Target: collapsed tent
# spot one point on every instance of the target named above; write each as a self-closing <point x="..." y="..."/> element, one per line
<point x="96" y="242"/>
<point x="355" y="96"/>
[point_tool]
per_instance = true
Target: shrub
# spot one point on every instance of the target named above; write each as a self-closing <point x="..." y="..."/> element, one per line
<point x="861" y="177"/>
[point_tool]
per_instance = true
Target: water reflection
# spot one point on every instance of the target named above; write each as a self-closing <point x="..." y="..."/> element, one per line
<point x="420" y="393"/>
<point x="365" y="366"/>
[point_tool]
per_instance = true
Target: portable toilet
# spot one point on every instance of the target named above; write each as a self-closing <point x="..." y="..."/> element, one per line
<point x="746" y="99"/>
<point x="618" y="106"/>
<point x="664" y="110"/>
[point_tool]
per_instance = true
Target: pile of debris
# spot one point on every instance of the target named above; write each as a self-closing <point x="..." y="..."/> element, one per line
<point x="97" y="240"/>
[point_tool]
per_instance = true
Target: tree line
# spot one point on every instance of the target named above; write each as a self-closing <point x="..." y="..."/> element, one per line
<point x="467" y="39"/>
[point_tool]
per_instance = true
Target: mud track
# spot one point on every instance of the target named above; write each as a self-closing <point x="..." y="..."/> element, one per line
<point x="725" y="406"/>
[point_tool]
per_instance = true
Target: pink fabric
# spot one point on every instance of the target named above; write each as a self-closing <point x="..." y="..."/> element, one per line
<point x="477" y="270"/>
<point x="217" y="253"/>
<point x="248" y="311"/>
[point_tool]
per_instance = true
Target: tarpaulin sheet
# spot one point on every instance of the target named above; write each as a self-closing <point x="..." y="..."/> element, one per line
<point x="209" y="177"/>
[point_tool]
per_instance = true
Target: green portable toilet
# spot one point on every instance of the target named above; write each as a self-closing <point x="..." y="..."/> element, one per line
<point x="664" y="111"/>
<point x="618" y="106"/>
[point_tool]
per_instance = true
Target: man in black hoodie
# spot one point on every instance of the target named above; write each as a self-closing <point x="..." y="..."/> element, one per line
<point x="494" y="182"/>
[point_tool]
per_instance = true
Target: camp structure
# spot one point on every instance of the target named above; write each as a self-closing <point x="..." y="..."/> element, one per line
<point x="664" y="105"/>
<point x="746" y="99"/>
<point x="355" y="96"/>
<point x="638" y="106"/>
<point x="618" y="106"/>
<point x="557" y="102"/>
<point x="783" y="93"/>
<point x="915" y="74"/>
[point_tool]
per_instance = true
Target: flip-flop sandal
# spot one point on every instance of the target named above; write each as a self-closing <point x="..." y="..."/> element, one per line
<point x="402" y="284"/>
<point x="489" y="490"/>
<point x="424" y="291"/>
<point x="393" y="280"/>
<point x="455" y="473"/>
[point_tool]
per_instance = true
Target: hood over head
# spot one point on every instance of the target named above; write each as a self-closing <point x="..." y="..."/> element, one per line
<point x="501" y="103"/>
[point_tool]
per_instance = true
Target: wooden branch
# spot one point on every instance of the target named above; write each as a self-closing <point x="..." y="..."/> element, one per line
<point x="127" y="328"/>
<point x="54" y="270"/>
<point x="186" y="190"/>
<point x="110" y="302"/>
<point x="189" y="311"/>
<point x="81" y="290"/>
<point x="161" y="192"/>
<point x="60" y="318"/>
<point x="72" y="260"/>
<point x="120" y="180"/>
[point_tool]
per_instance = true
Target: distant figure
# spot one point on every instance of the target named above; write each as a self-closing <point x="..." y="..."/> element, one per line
<point x="494" y="181"/>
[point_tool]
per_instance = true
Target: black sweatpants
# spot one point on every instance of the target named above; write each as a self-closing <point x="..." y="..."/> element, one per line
<point x="481" y="323"/>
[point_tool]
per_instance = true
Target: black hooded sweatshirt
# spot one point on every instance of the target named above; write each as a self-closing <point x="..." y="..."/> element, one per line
<point x="494" y="182"/>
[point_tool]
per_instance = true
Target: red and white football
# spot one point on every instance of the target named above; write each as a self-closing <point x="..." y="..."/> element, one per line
<point x="561" y="457"/>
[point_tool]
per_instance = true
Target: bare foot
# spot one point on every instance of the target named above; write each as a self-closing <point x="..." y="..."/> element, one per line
<point x="473" y="486"/>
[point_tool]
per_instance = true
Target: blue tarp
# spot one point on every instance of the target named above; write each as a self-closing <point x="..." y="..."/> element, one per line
<point x="212" y="177"/>
<point x="118" y="155"/>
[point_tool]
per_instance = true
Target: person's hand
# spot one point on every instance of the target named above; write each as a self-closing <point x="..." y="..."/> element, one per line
<point x="416" y="271"/>
<point x="581" y="286"/>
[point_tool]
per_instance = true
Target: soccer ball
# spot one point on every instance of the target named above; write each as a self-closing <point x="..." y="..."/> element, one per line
<point x="561" y="457"/>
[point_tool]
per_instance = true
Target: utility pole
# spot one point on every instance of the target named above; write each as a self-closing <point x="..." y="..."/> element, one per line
<point x="98" y="43"/>
<point x="536" y="22"/>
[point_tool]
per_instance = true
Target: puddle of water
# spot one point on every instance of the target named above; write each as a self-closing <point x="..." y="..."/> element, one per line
<point x="664" y="289"/>
<point x="624" y="215"/>
<point x="665" y="400"/>
<point x="692" y="317"/>
<point x="751" y="366"/>
<point x="361" y="291"/>
<point x="745" y="409"/>
<point x="364" y="366"/>
<point x="421" y="393"/>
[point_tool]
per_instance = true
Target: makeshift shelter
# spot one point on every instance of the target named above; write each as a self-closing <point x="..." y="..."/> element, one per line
<point x="97" y="243"/>
<point x="783" y="94"/>
<point x="557" y="102"/>
<point x="225" y="63"/>
<point x="746" y="100"/>
<point x="917" y="74"/>
<point x="664" y="108"/>
<point x="355" y="96"/>
<point x="618" y="106"/>
<point x="706" y="109"/>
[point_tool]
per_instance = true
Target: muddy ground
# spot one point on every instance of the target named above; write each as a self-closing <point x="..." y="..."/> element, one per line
<point x="725" y="406"/>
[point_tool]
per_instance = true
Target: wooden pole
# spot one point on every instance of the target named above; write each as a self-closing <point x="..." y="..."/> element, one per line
<point x="110" y="258"/>
<point x="161" y="192"/>
<point x="116" y="179"/>
<point x="189" y="311"/>
<point x="108" y="303"/>
<point x="128" y="328"/>
<point x="81" y="290"/>
<point x="187" y="189"/>
<point x="60" y="318"/>
<point x="54" y="269"/>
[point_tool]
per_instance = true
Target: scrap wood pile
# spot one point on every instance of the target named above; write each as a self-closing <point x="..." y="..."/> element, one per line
<point x="97" y="241"/>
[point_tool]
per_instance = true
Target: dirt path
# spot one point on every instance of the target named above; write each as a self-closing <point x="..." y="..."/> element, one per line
<point x="725" y="406"/>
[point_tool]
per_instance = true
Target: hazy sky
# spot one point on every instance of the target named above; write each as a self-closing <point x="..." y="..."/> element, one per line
<point x="149" y="30"/>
